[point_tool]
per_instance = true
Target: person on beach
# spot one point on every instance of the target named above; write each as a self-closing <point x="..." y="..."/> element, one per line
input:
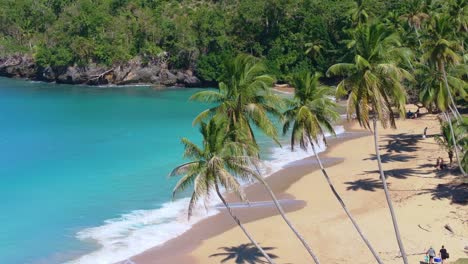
<point x="450" y="154"/>
<point x="416" y="114"/>
<point x="431" y="254"/>
<point x="437" y="166"/>
<point x="443" y="254"/>
<point x="425" y="132"/>
<point x="442" y="164"/>
<point x="409" y="114"/>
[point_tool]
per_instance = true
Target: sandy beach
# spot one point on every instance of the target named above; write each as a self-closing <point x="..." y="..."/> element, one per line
<point x="425" y="201"/>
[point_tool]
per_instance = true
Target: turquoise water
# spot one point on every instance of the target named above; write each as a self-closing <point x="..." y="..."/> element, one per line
<point x="83" y="170"/>
<point x="73" y="156"/>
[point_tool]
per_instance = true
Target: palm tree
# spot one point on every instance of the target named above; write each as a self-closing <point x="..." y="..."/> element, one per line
<point x="358" y="12"/>
<point x="445" y="139"/>
<point x="441" y="50"/>
<point x="458" y="12"/>
<point x="415" y="17"/>
<point x="217" y="163"/>
<point x="311" y="114"/>
<point x="432" y="86"/>
<point x="244" y="97"/>
<point x="461" y="133"/>
<point x="373" y="83"/>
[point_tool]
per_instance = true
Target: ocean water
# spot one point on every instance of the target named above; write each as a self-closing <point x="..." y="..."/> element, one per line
<point x="83" y="170"/>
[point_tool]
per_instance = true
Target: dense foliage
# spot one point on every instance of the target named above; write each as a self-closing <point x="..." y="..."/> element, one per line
<point x="195" y="34"/>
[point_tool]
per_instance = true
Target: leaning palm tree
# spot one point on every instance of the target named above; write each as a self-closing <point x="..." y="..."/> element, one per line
<point x="432" y="87"/>
<point x="373" y="83"/>
<point x="441" y="50"/>
<point x="216" y="164"/>
<point x="244" y="98"/>
<point x="311" y="114"/>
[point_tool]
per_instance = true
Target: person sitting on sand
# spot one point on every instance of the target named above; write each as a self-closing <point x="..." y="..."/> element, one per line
<point x="431" y="254"/>
<point x="443" y="254"/>
<point x="409" y="114"/>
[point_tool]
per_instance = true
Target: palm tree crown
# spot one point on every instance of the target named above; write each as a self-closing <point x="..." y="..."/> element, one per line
<point x="374" y="80"/>
<point x="311" y="112"/>
<point x="219" y="161"/>
<point x="244" y="97"/>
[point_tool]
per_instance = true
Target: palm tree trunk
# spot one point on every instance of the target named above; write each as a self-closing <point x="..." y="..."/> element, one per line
<point x="241" y="226"/>
<point x="281" y="211"/>
<point x="442" y="69"/>
<point x="454" y="141"/>
<point x="387" y="194"/>
<point x="324" y="172"/>
<point x="417" y="36"/>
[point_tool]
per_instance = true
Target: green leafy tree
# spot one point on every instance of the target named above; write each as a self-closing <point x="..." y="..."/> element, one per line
<point x="373" y="83"/>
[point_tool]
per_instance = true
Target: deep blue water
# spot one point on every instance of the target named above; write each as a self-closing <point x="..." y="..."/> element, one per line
<point x="73" y="156"/>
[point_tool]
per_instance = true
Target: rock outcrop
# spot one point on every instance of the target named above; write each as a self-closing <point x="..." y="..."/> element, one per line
<point x="133" y="72"/>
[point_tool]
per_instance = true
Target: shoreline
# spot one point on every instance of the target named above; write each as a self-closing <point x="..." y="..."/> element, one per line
<point x="415" y="187"/>
<point x="222" y="222"/>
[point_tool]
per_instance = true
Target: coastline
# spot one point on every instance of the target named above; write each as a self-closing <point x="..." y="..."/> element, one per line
<point x="222" y="222"/>
<point x="415" y="192"/>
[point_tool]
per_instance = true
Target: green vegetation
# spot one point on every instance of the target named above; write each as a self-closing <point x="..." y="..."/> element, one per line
<point x="381" y="53"/>
<point x="196" y="34"/>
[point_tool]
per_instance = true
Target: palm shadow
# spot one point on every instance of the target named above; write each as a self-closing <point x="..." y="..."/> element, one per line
<point x="364" y="184"/>
<point x="244" y="253"/>
<point x="389" y="157"/>
<point x="398" y="173"/>
<point x="457" y="193"/>
<point x="402" y="142"/>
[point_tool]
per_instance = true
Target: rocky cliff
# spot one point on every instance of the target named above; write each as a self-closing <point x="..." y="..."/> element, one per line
<point x="133" y="72"/>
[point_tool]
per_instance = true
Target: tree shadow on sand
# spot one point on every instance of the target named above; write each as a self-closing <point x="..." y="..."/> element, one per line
<point x="457" y="193"/>
<point x="364" y="184"/>
<point x="399" y="173"/>
<point x="244" y="253"/>
<point x="402" y="142"/>
<point x="389" y="157"/>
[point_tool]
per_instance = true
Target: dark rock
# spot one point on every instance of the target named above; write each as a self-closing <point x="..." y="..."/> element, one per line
<point x="133" y="72"/>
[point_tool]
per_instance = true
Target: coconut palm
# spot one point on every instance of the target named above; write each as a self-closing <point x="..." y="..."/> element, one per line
<point x="312" y="113"/>
<point x="358" y="12"/>
<point x="458" y="12"/>
<point x="244" y="97"/>
<point x="461" y="132"/>
<point x="373" y="83"/>
<point x="432" y="87"/>
<point x="415" y="17"/>
<point x="445" y="139"/>
<point x="217" y="163"/>
<point x="440" y="49"/>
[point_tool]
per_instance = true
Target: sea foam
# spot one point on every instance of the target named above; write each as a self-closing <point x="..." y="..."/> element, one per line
<point x="135" y="232"/>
